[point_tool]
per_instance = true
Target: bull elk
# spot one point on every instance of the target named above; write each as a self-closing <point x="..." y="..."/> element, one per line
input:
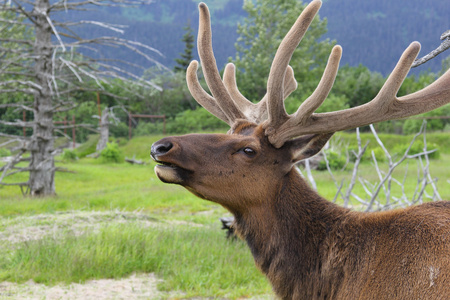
<point x="308" y="247"/>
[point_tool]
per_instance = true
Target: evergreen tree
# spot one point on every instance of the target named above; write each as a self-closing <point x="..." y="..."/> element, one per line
<point x="187" y="56"/>
<point x="267" y="23"/>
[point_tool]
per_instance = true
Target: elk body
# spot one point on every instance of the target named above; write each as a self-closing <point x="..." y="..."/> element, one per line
<point x="308" y="247"/>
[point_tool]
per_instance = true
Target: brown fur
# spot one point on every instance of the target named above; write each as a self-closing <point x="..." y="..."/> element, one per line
<point x="308" y="247"/>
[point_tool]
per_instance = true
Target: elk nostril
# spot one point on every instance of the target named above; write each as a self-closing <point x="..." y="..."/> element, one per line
<point x="164" y="148"/>
<point x="161" y="148"/>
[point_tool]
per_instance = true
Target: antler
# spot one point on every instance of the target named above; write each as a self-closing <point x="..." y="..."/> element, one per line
<point x="385" y="106"/>
<point x="229" y="104"/>
<point x="281" y="127"/>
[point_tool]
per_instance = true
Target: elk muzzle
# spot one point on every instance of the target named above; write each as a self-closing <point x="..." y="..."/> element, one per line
<point x="167" y="170"/>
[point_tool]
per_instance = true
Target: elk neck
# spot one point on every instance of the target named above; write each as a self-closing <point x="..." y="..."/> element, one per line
<point x="289" y="236"/>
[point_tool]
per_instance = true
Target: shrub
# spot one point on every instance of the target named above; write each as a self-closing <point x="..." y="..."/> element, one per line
<point x="120" y="141"/>
<point x="411" y="126"/>
<point x="148" y="128"/>
<point x="69" y="155"/>
<point x="335" y="160"/>
<point x="367" y="156"/>
<point x="4" y="152"/>
<point x="112" y="153"/>
<point x="118" y="130"/>
<point x="392" y="126"/>
<point x="88" y="147"/>
<point x="195" y="121"/>
<point x="416" y="148"/>
<point x="378" y="152"/>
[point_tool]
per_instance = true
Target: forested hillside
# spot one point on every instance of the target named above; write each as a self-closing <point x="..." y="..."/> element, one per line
<point x="373" y="33"/>
<point x="160" y="25"/>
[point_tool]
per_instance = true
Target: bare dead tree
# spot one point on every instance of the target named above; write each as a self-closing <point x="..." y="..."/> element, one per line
<point x="309" y="174"/>
<point x="104" y="130"/>
<point x="445" y="45"/>
<point x="373" y="200"/>
<point x="47" y="67"/>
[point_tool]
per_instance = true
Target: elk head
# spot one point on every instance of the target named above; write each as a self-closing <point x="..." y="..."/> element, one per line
<point x="237" y="170"/>
<point x="244" y="167"/>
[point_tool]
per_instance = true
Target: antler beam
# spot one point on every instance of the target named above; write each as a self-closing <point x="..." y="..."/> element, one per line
<point x="385" y="106"/>
<point x="212" y="76"/>
<point x="277" y="112"/>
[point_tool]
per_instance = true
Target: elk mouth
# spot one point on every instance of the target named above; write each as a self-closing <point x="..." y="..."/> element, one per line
<point x="163" y="164"/>
<point x="169" y="172"/>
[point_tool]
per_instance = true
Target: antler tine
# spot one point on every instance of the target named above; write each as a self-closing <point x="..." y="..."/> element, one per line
<point x="319" y="95"/>
<point x="254" y="112"/>
<point x="388" y="91"/>
<point x="229" y="79"/>
<point x="202" y="97"/>
<point x="314" y="101"/>
<point x="290" y="85"/>
<point x="277" y="112"/>
<point x="385" y="106"/>
<point x="212" y="76"/>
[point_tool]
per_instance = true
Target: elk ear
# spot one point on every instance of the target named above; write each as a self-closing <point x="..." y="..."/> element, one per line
<point x="307" y="146"/>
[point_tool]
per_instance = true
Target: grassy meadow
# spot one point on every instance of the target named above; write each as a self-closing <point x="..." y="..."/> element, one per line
<point x="113" y="220"/>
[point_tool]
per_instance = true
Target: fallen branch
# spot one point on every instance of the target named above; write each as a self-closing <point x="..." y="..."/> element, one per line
<point x="134" y="161"/>
<point x="64" y="170"/>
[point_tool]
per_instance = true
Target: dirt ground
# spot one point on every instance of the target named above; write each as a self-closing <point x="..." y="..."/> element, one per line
<point x="135" y="287"/>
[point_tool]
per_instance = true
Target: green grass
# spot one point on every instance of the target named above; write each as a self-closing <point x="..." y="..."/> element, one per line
<point x="88" y="147"/>
<point x="196" y="261"/>
<point x="96" y="186"/>
<point x="140" y="146"/>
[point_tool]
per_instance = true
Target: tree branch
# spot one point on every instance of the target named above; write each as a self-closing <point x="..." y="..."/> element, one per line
<point x="22" y="106"/>
<point x="18" y="123"/>
<point x="445" y="45"/>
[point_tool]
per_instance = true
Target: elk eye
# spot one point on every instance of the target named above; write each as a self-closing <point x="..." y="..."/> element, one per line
<point x="249" y="151"/>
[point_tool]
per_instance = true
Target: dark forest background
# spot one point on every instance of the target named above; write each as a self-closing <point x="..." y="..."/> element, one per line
<point x="372" y="33"/>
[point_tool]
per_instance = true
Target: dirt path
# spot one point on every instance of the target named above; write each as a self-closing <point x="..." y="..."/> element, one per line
<point x="35" y="227"/>
<point x="141" y="286"/>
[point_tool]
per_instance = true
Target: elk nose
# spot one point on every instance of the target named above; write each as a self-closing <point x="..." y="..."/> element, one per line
<point x="160" y="148"/>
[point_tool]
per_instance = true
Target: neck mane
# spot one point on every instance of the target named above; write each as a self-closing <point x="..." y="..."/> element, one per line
<point x="289" y="237"/>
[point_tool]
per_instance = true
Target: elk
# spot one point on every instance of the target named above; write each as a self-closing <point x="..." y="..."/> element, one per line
<point x="308" y="247"/>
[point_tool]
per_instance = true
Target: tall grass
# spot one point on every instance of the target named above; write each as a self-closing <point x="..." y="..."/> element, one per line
<point x="95" y="186"/>
<point x="193" y="261"/>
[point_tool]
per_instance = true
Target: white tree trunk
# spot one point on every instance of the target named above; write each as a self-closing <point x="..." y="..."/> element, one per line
<point x="104" y="131"/>
<point x="42" y="165"/>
